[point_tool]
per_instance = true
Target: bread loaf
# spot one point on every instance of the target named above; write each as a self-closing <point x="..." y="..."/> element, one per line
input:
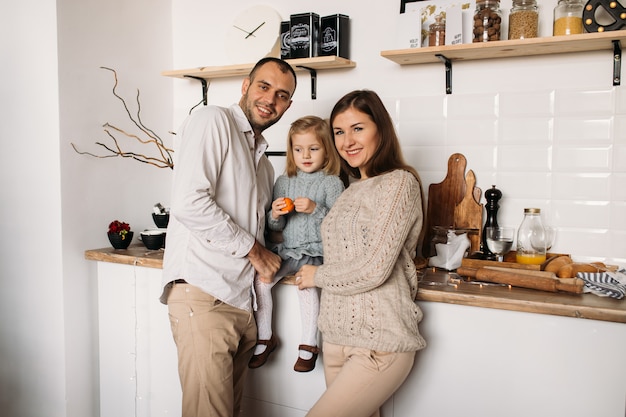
<point x="570" y="270"/>
<point x="556" y="263"/>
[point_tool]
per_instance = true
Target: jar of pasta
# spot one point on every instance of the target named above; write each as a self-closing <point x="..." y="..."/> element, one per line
<point x="523" y="19"/>
<point x="487" y="21"/>
<point x="437" y="31"/>
<point x="568" y="17"/>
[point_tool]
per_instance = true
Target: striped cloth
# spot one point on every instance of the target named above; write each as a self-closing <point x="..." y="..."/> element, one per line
<point x="605" y="284"/>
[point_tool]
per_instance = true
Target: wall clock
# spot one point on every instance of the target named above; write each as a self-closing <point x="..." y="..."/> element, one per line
<point x="254" y="34"/>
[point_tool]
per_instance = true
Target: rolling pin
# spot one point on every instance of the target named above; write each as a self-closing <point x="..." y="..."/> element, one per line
<point x="537" y="280"/>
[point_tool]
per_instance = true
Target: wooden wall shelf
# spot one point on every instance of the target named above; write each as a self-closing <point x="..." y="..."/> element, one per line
<point x="312" y="65"/>
<point x="585" y="42"/>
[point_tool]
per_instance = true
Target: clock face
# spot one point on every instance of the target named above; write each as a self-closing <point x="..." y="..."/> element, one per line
<point x="254" y="34"/>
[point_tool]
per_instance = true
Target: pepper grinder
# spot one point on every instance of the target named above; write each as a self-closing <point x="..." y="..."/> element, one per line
<point x="492" y="195"/>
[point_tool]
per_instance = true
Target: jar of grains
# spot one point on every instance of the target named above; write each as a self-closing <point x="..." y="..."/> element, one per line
<point x="487" y="21"/>
<point x="523" y="19"/>
<point x="568" y="17"/>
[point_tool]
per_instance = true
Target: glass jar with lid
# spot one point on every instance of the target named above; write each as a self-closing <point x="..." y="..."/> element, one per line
<point x="523" y="19"/>
<point x="568" y="17"/>
<point x="531" y="238"/>
<point x="487" y="21"/>
<point x="437" y="31"/>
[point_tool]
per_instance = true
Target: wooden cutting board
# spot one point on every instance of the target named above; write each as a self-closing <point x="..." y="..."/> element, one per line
<point x="468" y="214"/>
<point x="443" y="199"/>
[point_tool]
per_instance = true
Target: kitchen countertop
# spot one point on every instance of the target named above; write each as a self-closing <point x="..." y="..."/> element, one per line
<point x="440" y="286"/>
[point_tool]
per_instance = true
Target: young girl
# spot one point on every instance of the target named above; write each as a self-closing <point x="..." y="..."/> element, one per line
<point x="311" y="182"/>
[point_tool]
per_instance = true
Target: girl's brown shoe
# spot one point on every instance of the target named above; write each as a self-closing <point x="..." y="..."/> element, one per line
<point x="260" y="359"/>
<point x="306" y="365"/>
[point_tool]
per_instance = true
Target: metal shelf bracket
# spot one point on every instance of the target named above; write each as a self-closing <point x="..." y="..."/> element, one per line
<point x="313" y="73"/>
<point x="448" y="65"/>
<point x="617" y="62"/>
<point x="205" y="87"/>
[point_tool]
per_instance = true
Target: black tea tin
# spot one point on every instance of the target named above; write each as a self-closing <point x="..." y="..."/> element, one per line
<point x="304" y="38"/>
<point x="285" y="44"/>
<point x="335" y="35"/>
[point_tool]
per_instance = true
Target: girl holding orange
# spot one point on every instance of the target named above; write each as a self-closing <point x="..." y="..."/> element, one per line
<point x="302" y="198"/>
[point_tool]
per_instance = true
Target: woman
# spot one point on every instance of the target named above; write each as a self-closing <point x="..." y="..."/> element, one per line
<point x="368" y="317"/>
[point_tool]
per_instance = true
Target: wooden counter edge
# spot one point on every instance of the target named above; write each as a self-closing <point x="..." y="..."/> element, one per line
<point x="138" y="255"/>
<point x="528" y="306"/>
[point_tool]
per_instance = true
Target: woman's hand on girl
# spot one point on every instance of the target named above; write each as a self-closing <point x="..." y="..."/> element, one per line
<point x="305" y="276"/>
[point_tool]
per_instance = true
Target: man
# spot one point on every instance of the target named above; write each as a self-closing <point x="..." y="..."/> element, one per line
<point x="222" y="188"/>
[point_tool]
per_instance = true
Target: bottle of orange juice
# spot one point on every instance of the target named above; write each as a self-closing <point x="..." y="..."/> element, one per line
<point x="531" y="238"/>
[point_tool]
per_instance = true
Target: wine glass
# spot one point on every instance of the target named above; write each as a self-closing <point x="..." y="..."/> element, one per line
<point x="550" y="233"/>
<point x="499" y="240"/>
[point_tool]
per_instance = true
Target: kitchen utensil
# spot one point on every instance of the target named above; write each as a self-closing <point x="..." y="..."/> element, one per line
<point x="538" y="280"/>
<point x="443" y="199"/>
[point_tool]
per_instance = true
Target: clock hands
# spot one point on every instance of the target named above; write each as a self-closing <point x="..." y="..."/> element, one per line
<point x="249" y="33"/>
<point x="243" y="30"/>
<point x="254" y="30"/>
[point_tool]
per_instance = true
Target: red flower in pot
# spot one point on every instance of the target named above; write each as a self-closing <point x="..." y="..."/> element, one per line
<point x="119" y="234"/>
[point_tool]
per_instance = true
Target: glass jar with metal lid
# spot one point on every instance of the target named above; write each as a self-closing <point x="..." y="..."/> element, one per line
<point x="437" y="31"/>
<point x="523" y="19"/>
<point x="568" y="17"/>
<point x="487" y="21"/>
<point x="531" y="238"/>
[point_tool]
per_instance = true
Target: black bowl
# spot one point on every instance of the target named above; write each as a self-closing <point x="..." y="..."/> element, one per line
<point x="153" y="240"/>
<point x="117" y="242"/>
<point x="161" y="220"/>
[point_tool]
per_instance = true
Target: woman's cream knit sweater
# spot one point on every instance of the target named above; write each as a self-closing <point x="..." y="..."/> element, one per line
<point x="368" y="279"/>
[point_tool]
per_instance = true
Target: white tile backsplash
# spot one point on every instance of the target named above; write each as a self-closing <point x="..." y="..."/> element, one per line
<point x="525" y="186"/>
<point x="422" y="133"/>
<point x="527" y="104"/>
<point x="585" y="187"/>
<point x="584" y="103"/>
<point x="620" y="101"/>
<point x="471" y="131"/>
<point x="465" y="106"/>
<point x="618" y="216"/>
<point x="423" y="108"/>
<point x="618" y="187"/>
<point x="529" y="158"/>
<point x="617" y="251"/>
<point x="619" y="129"/>
<point x="619" y="158"/>
<point x="548" y="131"/>
<point x="580" y="129"/>
<point x="577" y="214"/>
<point x="523" y="131"/>
<point x="582" y="159"/>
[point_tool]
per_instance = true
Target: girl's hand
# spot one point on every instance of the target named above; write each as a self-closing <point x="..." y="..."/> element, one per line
<point x="278" y="207"/>
<point x="304" y="205"/>
<point x="305" y="276"/>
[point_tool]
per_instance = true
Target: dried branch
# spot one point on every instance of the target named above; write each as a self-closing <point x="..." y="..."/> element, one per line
<point x="165" y="158"/>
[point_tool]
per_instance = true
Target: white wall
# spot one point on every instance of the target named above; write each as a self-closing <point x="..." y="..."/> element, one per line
<point x="561" y="113"/>
<point x="549" y="132"/>
<point x="56" y="203"/>
<point x="31" y="299"/>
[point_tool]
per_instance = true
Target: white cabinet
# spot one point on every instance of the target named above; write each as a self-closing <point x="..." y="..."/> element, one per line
<point x="479" y="362"/>
<point x="138" y="365"/>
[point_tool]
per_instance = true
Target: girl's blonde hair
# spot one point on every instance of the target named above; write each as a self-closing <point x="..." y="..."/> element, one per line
<point x="321" y="129"/>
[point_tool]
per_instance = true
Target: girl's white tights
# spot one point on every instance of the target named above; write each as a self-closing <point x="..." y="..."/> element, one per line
<point x="309" y="310"/>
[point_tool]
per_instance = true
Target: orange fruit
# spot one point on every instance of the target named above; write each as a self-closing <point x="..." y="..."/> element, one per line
<point x="289" y="205"/>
